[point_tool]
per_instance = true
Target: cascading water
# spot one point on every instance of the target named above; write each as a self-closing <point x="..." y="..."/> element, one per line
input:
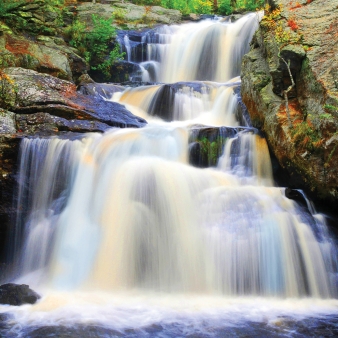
<point x="123" y="233"/>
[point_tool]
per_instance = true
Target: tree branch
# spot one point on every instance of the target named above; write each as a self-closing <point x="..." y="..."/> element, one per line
<point x="286" y="92"/>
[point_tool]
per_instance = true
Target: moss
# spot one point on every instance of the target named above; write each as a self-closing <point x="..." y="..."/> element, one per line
<point x="210" y="150"/>
<point x="306" y="137"/>
<point x="330" y="108"/>
<point x="260" y="81"/>
<point x="7" y="59"/>
<point x="7" y="91"/>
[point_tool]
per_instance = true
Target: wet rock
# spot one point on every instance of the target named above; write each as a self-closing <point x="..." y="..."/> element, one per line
<point x="46" y="124"/>
<point x="309" y="150"/>
<point x="9" y="149"/>
<point x="121" y="71"/>
<point x="293" y="194"/>
<point x="15" y="294"/>
<point x="163" y="101"/>
<point x="42" y="93"/>
<point x="73" y="331"/>
<point x="105" y="90"/>
<point x="206" y="144"/>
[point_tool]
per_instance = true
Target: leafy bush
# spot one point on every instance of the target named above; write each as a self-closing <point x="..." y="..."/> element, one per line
<point x="189" y="6"/>
<point x="224" y="7"/>
<point x="247" y="5"/>
<point x="93" y="44"/>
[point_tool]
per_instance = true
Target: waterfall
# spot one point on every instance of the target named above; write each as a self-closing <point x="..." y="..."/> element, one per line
<point x="126" y="212"/>
<point x="210" y="50"/>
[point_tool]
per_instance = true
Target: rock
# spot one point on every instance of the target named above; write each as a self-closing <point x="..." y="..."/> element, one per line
<point x="163" y="101"/>
<point x="34" y="18"/>
<point x="15" y="294"/>
<point x="47" y="124"/>
<point x="206" y="144"/>
<point x="293" y="194"/>
<point x="105" y="90"/>
<point x="42" y="93"/>
<point x="191" y="17"/>
<point x="7" y="122"/>
<point x="122" y="70"/>
<point x="312" y="49"/>
<point x="82" y="331"/>
<point x="84" y="79"/>
<point x="45" y="56"/>
<point x="9" y="150"/>
<point x="128" y="14"/>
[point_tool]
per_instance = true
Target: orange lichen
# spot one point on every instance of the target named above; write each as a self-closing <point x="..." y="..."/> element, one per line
<point x="292" y="24"/>
<point x="297" y="5"/>
<point x="16" y="46"/>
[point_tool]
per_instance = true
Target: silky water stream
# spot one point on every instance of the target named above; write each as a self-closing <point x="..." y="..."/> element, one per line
<point x="124" y="237"/>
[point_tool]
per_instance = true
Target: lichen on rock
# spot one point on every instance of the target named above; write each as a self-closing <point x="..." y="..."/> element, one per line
<point x="309" y="41"/>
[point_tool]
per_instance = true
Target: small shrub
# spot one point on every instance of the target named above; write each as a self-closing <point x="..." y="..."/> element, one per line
<point x="93" y="44"/>
<point x="224" y="8"/>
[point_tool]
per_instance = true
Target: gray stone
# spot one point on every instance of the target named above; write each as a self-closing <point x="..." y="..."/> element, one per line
<point x="7" y="122"/>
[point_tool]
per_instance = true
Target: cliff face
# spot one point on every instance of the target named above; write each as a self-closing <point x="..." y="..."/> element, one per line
<point x="304" y="34"/>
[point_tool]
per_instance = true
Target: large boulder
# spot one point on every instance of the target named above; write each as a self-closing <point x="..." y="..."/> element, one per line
<point x="48" y="55"/>
<point x="34" y="92"/>
<point x="307" y="39"/>
<point x="15" y="294"/>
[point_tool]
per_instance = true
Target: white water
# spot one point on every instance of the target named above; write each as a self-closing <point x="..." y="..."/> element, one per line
<point x="124" y="233"/>
<point x="196" y="51"/>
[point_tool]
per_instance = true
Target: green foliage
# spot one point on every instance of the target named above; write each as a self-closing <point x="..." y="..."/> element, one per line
<point x="93" y="44"/>
<point x="6" y="6"/>
<point x="224" y="7"/>
<point x="189" y="6"/>
<point x="210" y="150"/>
<point x="325" y="116"/>
<point x="250" y="5"/>
<point x="119" y="14"/>
<point x="331" y="109"/>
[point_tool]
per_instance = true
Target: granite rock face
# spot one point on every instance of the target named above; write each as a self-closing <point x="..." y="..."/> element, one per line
<point x="309" y="43"/>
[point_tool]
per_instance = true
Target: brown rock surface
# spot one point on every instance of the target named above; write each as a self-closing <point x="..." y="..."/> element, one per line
<point x="308" y="150"/>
